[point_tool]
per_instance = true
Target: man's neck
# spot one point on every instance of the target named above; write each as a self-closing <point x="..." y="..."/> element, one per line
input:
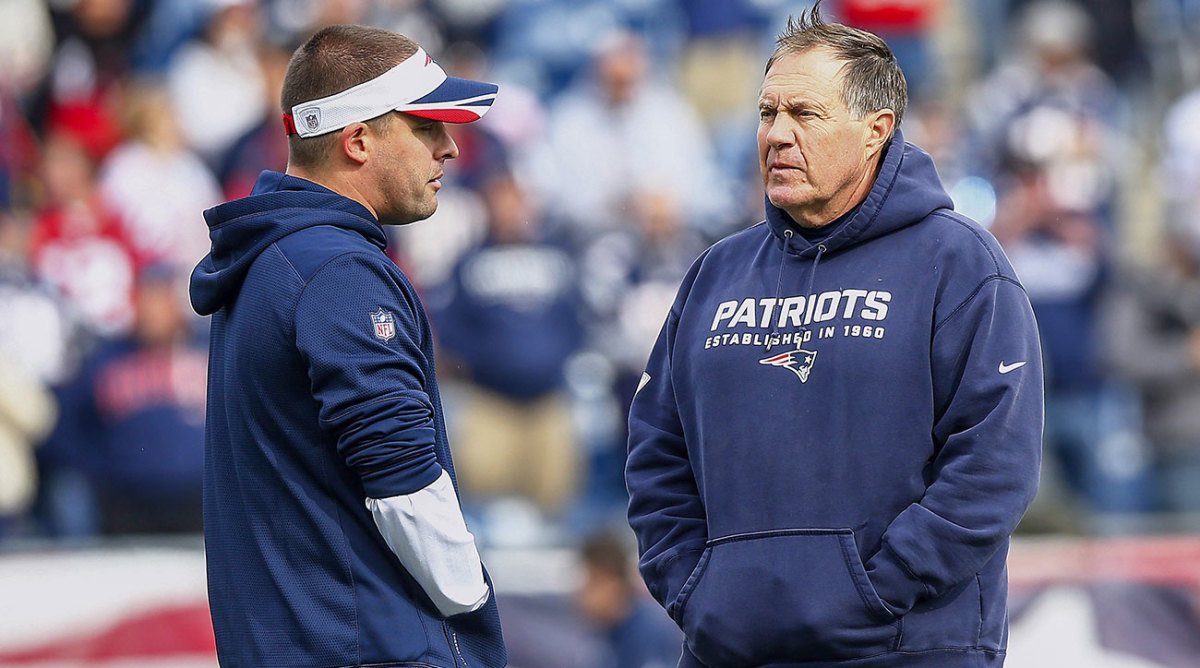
<point x="335" y="182"/>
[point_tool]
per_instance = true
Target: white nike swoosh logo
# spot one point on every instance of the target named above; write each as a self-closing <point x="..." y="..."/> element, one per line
<point x="1005" y="368"/>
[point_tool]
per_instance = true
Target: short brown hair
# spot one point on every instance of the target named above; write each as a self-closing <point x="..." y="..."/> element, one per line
<point x="872" y="77"/>
<point x="335" y="58"/>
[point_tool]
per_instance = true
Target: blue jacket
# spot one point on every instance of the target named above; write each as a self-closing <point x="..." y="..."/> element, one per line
<point x="321" y="393"/>
<point x="511" y="313"/>
<point x="834" y="440"/>
<point x="139" y="414"/>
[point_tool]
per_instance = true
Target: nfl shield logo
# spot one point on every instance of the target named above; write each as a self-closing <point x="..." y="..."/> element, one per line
<point x="312" y="118"/>
<point x="385" y="325"/>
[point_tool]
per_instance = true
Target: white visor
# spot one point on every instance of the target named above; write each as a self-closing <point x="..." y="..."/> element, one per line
<point x="416" y="86"/>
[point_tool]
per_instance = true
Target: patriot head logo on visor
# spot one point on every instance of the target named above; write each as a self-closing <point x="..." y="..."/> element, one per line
<point x="416" y="86"/>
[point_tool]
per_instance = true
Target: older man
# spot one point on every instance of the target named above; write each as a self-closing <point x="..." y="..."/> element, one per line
<point x="840" y="424"/>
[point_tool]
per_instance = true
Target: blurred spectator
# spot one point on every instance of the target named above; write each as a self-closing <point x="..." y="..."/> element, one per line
<point x="508" y="320"/>
<point x="1154" y="341"/>
<point x="720" y="62"/>
<point x="1049" y="70"/>
<point x="79" y="244"/>
<point x="90" y="62"/>
<point x="155" y="184"/>
<point x="135" y="416"/>
<point x="33" y="354"/>
<point x="215" y="81"/>
<point x="619" y="134"/>
<point x="36" y="331"/>
<point x="719" y="69"/>
<point x="634" y="632"/>
<point x="630" y="279"/>
<point x="263" y="146"/>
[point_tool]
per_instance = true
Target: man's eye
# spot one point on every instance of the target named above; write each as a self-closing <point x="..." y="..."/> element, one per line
<point x="764" y="114"/>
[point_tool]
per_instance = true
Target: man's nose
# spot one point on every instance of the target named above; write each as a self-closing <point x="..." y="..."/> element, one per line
<point x="780" y="132"/>
<point x="447" y="148"/>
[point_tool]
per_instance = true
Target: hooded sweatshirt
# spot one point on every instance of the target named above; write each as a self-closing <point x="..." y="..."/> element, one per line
<point x="327" y="348"/>
<point x="834" y="439"/>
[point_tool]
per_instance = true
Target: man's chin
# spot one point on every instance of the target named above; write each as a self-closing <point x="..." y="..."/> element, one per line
<point x="410" y="216"/>
<point x="784" y="198"/>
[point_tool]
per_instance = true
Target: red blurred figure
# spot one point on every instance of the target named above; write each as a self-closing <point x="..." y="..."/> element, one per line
<point x="78" y="244"/>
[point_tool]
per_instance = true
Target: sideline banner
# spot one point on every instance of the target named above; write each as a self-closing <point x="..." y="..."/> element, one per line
<point x="1112" y="602"/>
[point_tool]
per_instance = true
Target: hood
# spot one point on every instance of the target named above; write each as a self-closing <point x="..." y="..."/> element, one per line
<point x="907" y="171"/>
<point x="278" y="206"/>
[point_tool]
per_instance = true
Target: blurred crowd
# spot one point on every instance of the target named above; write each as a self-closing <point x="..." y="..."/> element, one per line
<point x="621" y="145"/>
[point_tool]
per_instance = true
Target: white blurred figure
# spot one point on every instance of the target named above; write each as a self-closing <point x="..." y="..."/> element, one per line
<point x="1181" y="154"/>
<point x="26" y="43"/>
<point x="156" y="184"/>
<point x="621" y="131"/>
<point x="34" y="353"/>
<point x="216" y="83"/>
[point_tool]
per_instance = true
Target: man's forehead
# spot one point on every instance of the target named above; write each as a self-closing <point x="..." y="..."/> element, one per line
<point x="797" y="93"/>
<point x="811" y="74"/>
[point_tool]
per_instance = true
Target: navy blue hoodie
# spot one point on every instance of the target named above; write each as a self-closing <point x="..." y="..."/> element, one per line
<point x="834" y="440"/>
<point x="321" y="393"/>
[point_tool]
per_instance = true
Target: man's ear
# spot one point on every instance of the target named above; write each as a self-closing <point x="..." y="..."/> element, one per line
<point x="880" y="127"/>
<point x="355" y="142"/>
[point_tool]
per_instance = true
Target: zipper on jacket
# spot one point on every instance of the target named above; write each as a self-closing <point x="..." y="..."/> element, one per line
<point x="452" y="639"/>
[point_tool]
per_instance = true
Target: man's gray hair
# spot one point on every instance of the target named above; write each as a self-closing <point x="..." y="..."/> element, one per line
<point x="871" y="78"/>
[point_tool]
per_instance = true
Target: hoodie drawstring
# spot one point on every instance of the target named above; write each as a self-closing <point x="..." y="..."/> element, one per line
<point x="812" y="276"/>
<point x="787" y="237"/>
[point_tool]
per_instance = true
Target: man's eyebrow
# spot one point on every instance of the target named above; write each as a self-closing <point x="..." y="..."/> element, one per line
<point x="790" y="105"/>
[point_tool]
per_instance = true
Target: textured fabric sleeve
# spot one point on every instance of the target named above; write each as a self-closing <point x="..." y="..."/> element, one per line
<point x="427" y="533"/>
<point x="360" y="335"/>
<point x="988" y="429"/>
<point x="665" y="509"/>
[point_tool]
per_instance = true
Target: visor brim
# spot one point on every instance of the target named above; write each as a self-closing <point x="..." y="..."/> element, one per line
<point x="456" y="100"/>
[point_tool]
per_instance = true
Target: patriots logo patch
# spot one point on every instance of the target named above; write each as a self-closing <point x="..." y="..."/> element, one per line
<point x="799" y="362"/>
<point x="385" y="325"/>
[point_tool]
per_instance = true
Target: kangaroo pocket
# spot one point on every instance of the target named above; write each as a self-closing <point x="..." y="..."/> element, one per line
<point x="779" y="596"/>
